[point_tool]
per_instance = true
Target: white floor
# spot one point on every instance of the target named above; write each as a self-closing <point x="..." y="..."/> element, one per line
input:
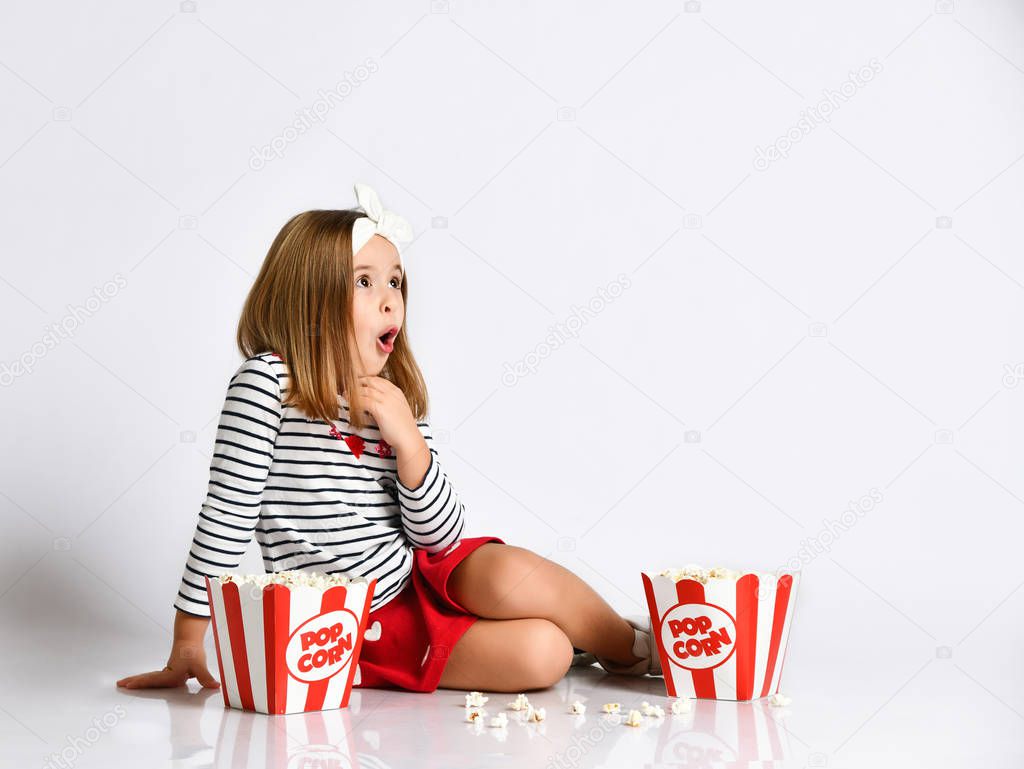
<point x="61" y="709"/>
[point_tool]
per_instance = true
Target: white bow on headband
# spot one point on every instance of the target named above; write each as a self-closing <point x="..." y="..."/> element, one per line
<point x="378" y="222"/>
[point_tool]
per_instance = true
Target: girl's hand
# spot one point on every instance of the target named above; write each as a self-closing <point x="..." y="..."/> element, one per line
<point x="386" y="403"/>
<point x="187" y="661"/>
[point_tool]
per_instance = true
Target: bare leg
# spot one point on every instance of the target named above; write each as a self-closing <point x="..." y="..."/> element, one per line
<point x="500" y="581"/>
<point x="508" y="656"/>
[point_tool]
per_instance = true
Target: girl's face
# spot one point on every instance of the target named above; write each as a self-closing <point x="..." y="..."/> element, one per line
<point x="377" y="306"/>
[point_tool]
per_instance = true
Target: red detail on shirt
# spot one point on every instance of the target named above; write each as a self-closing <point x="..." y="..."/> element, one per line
<point x="355" y="444"/>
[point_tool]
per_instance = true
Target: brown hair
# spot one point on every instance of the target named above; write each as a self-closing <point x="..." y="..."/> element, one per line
<point x="300" y="308"/>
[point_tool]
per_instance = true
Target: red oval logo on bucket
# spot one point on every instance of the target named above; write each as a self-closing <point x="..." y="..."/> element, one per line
<point x="698" y="636"/>
<point x="321" y="646"/>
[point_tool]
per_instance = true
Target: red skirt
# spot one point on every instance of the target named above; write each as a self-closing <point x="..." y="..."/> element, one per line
<point x="419" y="627"/>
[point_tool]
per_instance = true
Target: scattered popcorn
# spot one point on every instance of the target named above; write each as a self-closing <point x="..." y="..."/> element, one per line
<point x="681" y="706"/>
<point x="521" y="702"/>
<point x="315" y="579"/>
<point x="634" y="718"/>
<point x="651" y="710"/>
<point x="475" y="700"/>
<point x="779" y="700"/>
<point x="577" y="708"/>
<point x="611" y="707"/>
<point x="500" y="721"/>
<point x="474" y="715"/>
<point x="536" y="714"/>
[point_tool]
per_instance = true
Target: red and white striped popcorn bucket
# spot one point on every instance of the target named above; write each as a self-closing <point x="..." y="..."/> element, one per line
<point x="725" y="639"/>
<point x="288" y="649"/>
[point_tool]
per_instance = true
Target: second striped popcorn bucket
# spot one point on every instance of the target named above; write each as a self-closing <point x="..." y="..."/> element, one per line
<point x="288" y="648"/>
<point x="722" y="639"/>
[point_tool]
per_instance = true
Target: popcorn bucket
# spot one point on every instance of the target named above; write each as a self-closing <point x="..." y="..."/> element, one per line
<point x="723" y="639"/>
<point x="288" y="648"/>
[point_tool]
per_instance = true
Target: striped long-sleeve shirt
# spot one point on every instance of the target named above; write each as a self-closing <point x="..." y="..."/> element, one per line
<point x="318" y="496"/>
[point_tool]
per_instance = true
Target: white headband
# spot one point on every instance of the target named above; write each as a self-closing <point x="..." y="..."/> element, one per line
<point x="378" y="222"/>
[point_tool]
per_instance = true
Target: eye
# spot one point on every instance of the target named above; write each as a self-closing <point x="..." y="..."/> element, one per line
<point x="360" y="279"/>
<point x="397" y="282"/>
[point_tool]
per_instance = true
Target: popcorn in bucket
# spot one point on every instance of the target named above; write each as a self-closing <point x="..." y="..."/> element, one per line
<point x="721" y="634"/>
<point x="288" y="642"/>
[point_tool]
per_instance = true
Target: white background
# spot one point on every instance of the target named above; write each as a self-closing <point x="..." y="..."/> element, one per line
<point x="792" y="339"/>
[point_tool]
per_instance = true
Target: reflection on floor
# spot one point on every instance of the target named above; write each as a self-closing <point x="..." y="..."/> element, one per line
<point x="399" y="729"/>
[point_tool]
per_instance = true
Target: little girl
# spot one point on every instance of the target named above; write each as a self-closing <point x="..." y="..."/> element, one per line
<point x="324" y="451"/>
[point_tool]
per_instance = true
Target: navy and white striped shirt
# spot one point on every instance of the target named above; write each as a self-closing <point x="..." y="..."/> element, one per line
<point x="318" y="496"/>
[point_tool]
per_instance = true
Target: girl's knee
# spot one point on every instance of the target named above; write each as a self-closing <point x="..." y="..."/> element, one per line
<point x="548" y="654"/>
<point x="513" y="563"/>
<point x="516" y="566"/>
<point x="505" y="581"/>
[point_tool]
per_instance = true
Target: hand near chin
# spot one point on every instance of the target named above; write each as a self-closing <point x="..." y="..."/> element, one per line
<point x="388" y="407"/>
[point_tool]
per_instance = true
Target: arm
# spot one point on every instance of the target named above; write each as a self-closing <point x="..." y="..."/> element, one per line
<point x="433" y="516"/>
<point x="189" y="629"/>
<point x="242" y="454"/>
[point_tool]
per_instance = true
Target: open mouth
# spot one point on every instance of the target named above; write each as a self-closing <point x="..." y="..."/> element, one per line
<point x="386" y="341"/>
